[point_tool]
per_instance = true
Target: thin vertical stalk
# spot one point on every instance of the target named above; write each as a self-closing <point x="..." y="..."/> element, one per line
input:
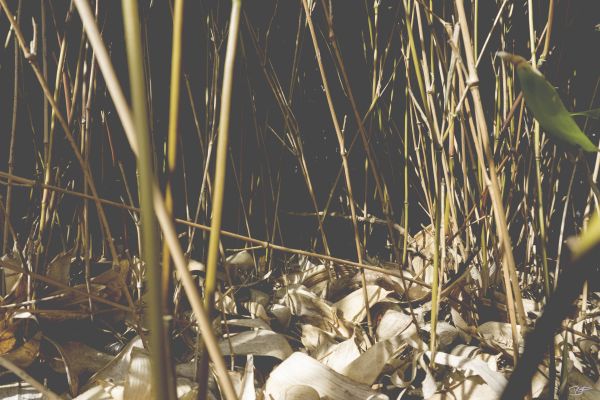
<point x="221" y="156"/>
<point x="406" y="203"/>
<point x="48" y="142"/>
<point x="172" y="135"/>
<point x="84" y="226"/>
<point x="220" y="173"/>
<point x="476" y="28"/>
<point x="435" y="282"/>
<point x="540" y="206"/>
<point x="45" y="75"/>
<point x="13" y="134"/>
<point x="162" y="379"/>
<point x="548" y="32"/>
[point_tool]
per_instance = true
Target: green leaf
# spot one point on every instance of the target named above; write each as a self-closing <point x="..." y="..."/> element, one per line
<point x="595" y="113"/>
<point x="544" y="103"/>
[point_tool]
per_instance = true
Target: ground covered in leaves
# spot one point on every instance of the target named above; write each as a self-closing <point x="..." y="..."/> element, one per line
<point x="288" y="333"/>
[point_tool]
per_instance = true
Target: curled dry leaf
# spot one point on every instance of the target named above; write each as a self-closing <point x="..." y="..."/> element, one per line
<point x="79" y="359"/>
<point x="368" y="366"/>
<point x="314" y="310"/>
<point x="72" y="376"/>
<point x="240" y="260"/>
<point x="445" y="332"/>
<point x="352" y="307"/>
<point x="10" y="265"/>
<point x="469" y="388"/>
<point x="317" y="341"/>
<point x="389" y="282"/>
<point x="311" y="275"/>
<point x="301" y="392"/>
<point x="8" y="340"/>
<point x="117" y="369"/>
<point x="225" y="304"/>
<point x="239" y="266"/>
<point x="338" y="356"/>
<point x="253" y="323"/>
<point x="24" y="355"/>
<point x="257" y="310"/>
<point x="138" y="385"/>
<point x="300" y="369"/>
<point x="259" y="343"/>
<point x="495" y="380"/>
<point x="257" y="304"/>
<point x="392" y="323"/>
<point x="498" y="334"/>
<point x="59" y="268"/>
<point x="282" y="313"/>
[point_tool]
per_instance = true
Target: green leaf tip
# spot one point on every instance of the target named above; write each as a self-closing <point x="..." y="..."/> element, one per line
<point x="546" y="106"/>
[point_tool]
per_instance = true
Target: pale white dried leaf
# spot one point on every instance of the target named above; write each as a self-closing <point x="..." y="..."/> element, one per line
<point x="429" y="384"/>
<point x="196" y="266"/>
<point x="187" y="389"/>
<point x="225" y="304"/>
<point x="392" y="323"/>
<point x="314" y="310"/>
<point x="117" y="369"/>
<point x="248" y="391"/>
<point x="301" y="392"/>
<point x="103" y="391"/>
<point x="494" y="379"/>
<point x="446" y="333"/>
<point x="317" y="341"/>
<point x="539" y="381"/>
<point x="303" y="303"/>
<point x="352" y="307"/>
<point x="369" y="365"/>
<point x="257" y="310"/>
<point x="339" y="355"/>
<point x="254" y="323"/>
<point x="240" y="260"/>
<point x="465" y="350"/>
<point x="19" y="391"/>
<point x="300" y="369"/>
<point x="498" y="333"/>
<point x="138" y="385"/>
<point x="470" y="388"/>
<point x="258" y="343"/>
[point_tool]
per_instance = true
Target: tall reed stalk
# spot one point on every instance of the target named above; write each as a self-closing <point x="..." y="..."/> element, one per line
<point x="163" y="382"/>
